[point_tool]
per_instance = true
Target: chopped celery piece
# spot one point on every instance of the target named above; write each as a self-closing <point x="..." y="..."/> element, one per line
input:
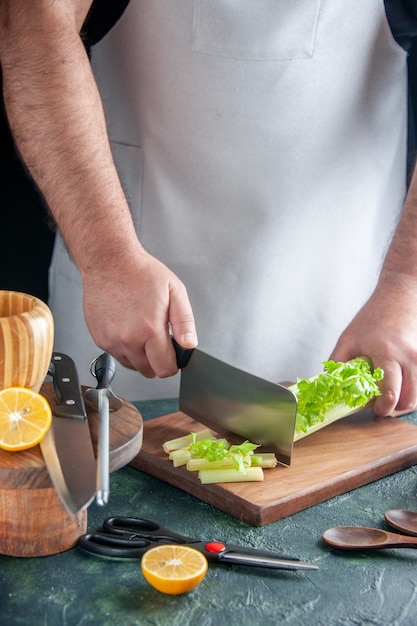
<point x="219" y="449"/>
<point x="265" y="460"/>
<point x="195" y="465"/>
<point x="211" y="476"/>
<point x="186" y="440"/>
<point x="201" y="452"/>
<point x="209" y="449"/>
<point x="179" y="457"/>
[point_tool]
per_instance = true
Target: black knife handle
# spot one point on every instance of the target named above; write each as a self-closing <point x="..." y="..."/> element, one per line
<point x="104" y="370"/>
<point x="182" y="355"/>
<point x="67" y="387"/>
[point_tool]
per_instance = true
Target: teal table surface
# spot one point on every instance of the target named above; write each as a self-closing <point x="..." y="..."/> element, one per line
<point x="349" y="588"/>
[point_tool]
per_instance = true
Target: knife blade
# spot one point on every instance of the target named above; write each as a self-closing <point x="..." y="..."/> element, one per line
<point x="67" y="447"/>
<point x="236" y="404"/>
<point x="104" y="369"/>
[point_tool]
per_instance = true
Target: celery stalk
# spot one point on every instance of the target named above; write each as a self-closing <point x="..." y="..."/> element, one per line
<point x="179" y="457"/>
<point x="341" y="390"/>
<point x="338" y="412"/>
<point x="186" y="440"/>
<point x="195" y="465"/>
<point x="265" y="460"/>
<point x="211" y="476"/>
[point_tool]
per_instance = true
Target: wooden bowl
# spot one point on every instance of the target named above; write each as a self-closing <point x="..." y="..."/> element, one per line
<point x="26" y="340"/>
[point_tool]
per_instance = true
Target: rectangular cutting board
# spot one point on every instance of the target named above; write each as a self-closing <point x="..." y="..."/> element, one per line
<point x="347" y="454"/>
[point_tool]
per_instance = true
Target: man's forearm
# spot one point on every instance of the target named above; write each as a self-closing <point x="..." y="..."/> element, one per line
<point x="57" y="120"/>
<point x="401" y="258"/>
<point x="385" y="329"/>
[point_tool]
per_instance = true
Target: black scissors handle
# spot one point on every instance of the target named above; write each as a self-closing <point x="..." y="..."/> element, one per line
<point x="124" y="546"/>
<point x="130" y="537"/>
<point x="144" y="529"/>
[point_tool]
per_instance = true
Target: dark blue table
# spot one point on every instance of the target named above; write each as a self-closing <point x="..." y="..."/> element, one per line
<point x="349" y="589"/>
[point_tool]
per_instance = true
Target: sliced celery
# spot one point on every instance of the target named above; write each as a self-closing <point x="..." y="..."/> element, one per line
<point x="179" y="457"/>
<point x="266" y="460"/>
<point x="186" y="440"/>
<point x="211" y="476"/>
<point x="195" y="465"/>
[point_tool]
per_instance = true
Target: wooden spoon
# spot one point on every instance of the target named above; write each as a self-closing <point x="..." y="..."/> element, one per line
<point x="406" y="521"/>
<point x="361" y="538"/>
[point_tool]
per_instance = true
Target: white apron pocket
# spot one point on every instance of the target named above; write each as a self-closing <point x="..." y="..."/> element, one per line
<point x="270" y="30"/>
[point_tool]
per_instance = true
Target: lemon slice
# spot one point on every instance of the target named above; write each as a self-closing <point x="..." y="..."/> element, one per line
<point x="174" y="569"/>
<point x="25" y="417"/>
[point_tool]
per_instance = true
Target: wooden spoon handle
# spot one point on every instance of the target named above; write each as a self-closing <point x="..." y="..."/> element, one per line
<point x="402" y="541"/>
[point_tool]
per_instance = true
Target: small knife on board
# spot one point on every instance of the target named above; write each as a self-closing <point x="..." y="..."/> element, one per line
<point x="234" y="403"/>
<point x="67" y="447"/>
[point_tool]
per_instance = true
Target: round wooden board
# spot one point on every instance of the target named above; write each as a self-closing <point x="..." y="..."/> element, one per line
<point x="33" y="521"/>
<point x="27" y="470"/>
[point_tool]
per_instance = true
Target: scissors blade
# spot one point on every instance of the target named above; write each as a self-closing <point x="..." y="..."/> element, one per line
<point x="265" y="561"/>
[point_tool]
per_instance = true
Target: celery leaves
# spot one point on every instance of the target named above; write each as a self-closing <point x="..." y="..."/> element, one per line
<point x="218" y="449"/>
<point x="352" y="384"/>
<point x="209" y="449"/>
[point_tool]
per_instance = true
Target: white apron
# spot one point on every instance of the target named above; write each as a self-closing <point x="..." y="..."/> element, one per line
<point x="262" y="146"/>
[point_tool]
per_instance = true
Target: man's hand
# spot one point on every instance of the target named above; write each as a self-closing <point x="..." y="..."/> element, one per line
<point x="385" y="330"/>
<point x="129" y="309"/>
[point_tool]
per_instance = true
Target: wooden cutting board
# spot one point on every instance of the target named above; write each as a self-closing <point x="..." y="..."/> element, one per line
<point x="347" y="454"/>
<point x="33" y="521"/>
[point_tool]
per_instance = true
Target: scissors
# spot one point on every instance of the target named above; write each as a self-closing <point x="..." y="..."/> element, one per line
<point x="130" y="537"/>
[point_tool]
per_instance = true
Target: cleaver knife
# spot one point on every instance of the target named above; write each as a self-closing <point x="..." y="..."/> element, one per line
<point x="67" y="447"/>
<point x="236" y="404"/>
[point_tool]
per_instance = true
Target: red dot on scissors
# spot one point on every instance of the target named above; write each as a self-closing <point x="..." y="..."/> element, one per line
<point x="215" y="546"/>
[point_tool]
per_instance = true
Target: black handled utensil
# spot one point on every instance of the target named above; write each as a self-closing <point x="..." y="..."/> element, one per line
<point x="103" y="369"/>
<point x="67" y="447"/>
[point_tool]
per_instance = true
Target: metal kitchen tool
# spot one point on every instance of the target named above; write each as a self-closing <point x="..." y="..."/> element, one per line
<point x="131" y="537"/>
<point x="235" y="403"/>
<point x="67" y="447"/>
<point x="103" y="368"/>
